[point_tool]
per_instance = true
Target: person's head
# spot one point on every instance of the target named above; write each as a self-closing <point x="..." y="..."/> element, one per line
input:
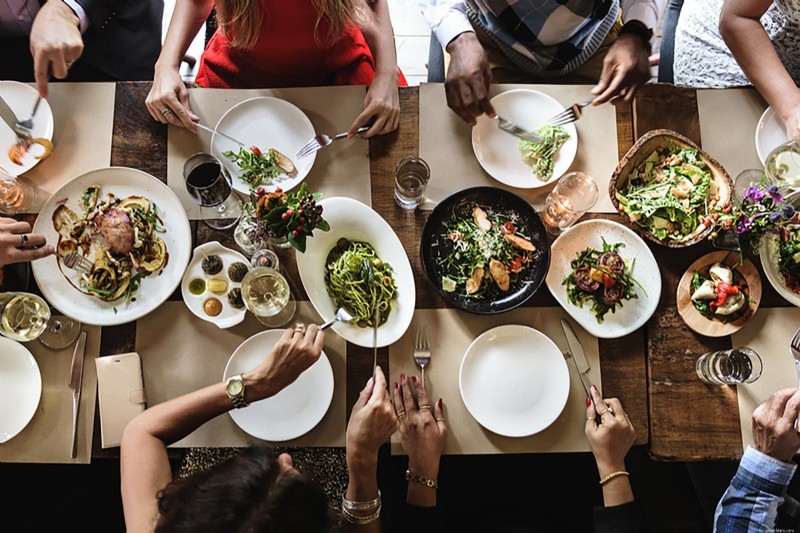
<point x="240" y="20"/>
<point x="254" y="491"/>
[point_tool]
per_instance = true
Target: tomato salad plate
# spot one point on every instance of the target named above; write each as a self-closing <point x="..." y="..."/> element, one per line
<point x="607" y="278"/>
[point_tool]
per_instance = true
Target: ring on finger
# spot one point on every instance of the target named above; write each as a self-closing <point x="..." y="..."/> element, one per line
<point x="300" y="328"/>
<point x="425" y="407"/>
<point x="23" y="239"/>
<point x="440" y="419"/>
<point x="401" y="414"/>
<point x="166" y="111"/>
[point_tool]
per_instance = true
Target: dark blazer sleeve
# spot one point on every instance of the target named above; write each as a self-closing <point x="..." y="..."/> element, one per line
<point x="413" y="519"/>
<point x="625" y="518"/>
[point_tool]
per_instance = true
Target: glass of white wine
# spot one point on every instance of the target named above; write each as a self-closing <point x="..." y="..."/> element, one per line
<point x="23" y="316"/>
<point x="267" y="295"/>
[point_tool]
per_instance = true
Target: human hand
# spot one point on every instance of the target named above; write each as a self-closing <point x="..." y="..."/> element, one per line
<point x="774" y="432"/>
<point x="611" y="439"/>
<point x="18" y="244"/>
<point x="381" y="107"/>
<point x="372" y="423"/>
<point x="791" y="121"/>
<point x="468" y="77"/>
<point x="295" y="351"/>
<point x="423" y="432"/>
<point x="56" y="43"/>
<point x="626" y="67"/>
<point x="169" y="93"/>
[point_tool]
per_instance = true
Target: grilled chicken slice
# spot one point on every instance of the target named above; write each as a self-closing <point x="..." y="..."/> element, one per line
<point x="481" y="218"/>
<point x="474" y="282"/>
<point x="520" y="242"/>
<point x="499" y="274"/>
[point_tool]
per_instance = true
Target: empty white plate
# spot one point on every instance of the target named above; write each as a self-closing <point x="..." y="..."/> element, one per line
<point x="770" y="133"/>
<point x="20" y="388"/>
<point x="514" y="380"/>
<point x="498" y="151"/>
<point x="292" y="412"/>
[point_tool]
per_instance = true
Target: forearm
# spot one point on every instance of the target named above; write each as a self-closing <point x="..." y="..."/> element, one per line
<point x="187" y="19"/>
<point x="362" y="486"/>
<point x="618" y="490"/>
<point x="753" y="50"/>
<point x="380" y="38"/>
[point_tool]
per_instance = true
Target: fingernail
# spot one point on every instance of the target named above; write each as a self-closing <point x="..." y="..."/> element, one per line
<point x="369" y="381"/>
<point x="594" y="389"/>
<point x="414" y="379"/>
<point x="395" y="385"/>
<point x="402" y="377"/>
<point x="439" y="403"/>
<point x="588" y="401"/>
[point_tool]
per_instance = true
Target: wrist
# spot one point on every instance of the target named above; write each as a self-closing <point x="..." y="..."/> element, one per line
<point x="606" y="468"/>
<point x="258" y="385"/>
<point x="69" y="13"/>
<point x="361" y="465"/>
<point x="427" y="469"/>
<point x="461" y="41"/>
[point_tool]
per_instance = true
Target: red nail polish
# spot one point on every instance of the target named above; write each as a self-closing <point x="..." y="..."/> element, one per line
<point x="395" y="384"/>
<point x="414" y="379"/>
<point x="588" y="400"/>
<point x="439" y="403"/>
<point x="402" y="377"/>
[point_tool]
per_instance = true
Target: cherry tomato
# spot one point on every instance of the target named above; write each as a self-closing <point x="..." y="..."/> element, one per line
<point x="515" y="265"/>
<point x="255" y="150"/>
<point x="508" y="228"/>
<point x="608" y="281"/>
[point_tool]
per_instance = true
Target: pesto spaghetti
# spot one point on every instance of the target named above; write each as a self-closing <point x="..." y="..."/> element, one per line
<point x="358" y="280"/>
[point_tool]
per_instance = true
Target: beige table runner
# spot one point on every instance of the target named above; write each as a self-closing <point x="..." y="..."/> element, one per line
<point x="83" y="114"/>
<point x="445" y="143"/>
<point x="768" y="333"/>
<point x="48" y="436"/>
<point x="341" y="169"/>
<point x="454" y="331"/>
<point x="728" y="120"/>
<point x="181" y="353"/>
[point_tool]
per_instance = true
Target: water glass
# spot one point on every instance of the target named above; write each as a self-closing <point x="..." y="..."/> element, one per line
<point x="267" y="295"/>
<point x="410" y="179"/>
<point x="209" y="188"/>
<point x="746" y="179"/>
<point x="17" y="195"/>
<point x="729" y="367"/>
<point x="574" y="194"/>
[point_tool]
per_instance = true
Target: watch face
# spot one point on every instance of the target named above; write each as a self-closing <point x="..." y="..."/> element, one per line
<point x="234" y="387"/>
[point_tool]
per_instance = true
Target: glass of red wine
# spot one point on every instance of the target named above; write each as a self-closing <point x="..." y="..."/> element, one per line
<point x="209" y="188"/>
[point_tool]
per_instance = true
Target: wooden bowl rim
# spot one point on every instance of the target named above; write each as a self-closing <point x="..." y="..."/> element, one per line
<point x="625" y="161"/>
<point x="692" y="317"/>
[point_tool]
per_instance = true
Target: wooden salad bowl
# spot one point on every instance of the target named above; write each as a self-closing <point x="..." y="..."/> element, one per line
<point x="649" y="142"/>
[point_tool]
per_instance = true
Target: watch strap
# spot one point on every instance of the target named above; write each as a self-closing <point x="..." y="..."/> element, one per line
<point x="237" y="399"/>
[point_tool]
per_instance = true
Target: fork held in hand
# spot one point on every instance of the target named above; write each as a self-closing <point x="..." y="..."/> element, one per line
<point x="321" y="141"/>
<point x="570" y="114"/>
<point x="794" y="347"/>
<point x="78" y="262"/>
<point x="422" y="350"/>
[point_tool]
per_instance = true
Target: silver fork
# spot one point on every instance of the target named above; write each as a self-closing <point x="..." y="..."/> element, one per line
<point x="28" y="122"/>
<point x="794" y="348"/>
<point x="422" y="350"/>
<point x="321" y="141"/>
<point x="570" y="114"/>
<point x="508" y="126"/>
<point x="78" y="262"/>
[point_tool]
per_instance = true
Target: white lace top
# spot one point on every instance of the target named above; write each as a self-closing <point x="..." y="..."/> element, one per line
<point x="702" y="58"/>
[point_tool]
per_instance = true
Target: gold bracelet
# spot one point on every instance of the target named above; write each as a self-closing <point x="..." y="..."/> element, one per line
<point x="612" y="475"/>
<point x="369" y="505"/>
<point x="361" y="520"/>
<point x="422" y="480"/>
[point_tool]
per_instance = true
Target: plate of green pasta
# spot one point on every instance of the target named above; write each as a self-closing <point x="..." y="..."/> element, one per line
<point x="361" y="265"/>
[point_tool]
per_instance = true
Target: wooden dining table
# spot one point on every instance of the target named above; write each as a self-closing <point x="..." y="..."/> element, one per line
<point x="650" y="370"/>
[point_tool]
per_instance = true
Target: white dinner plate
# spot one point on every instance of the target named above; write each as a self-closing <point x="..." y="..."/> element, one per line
<point x="20" y="388"/>
<point x="514" y="380"/>
<point x="634" y="312"/>
<point x="498" y="151"/>
<point x="229" y="316"/>
<point x="154" y="289"/>
<point x="292" y="412"/>
<point x="265" y="122"/>
<point x="352" y="220"/>
<point x="21" y="98"/>
<point x="770" y="133"/>
<point x="769" y="261"/>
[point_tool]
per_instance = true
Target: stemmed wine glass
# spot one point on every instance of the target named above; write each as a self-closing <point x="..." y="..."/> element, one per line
<point x="25" y="316"/>
<point x="210" y="189"/>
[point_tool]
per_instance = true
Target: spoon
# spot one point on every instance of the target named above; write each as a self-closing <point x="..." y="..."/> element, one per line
<point x="341" y="316"/>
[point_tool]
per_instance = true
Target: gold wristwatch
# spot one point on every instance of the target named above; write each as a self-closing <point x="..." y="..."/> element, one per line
<point x="235" y="389"/>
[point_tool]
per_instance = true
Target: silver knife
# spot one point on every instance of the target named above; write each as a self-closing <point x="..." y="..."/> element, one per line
<point x="508" y="126"/>
<point x="10" y="118"/>
<point x="75" y="380"/>
<point x="578" y="356"/>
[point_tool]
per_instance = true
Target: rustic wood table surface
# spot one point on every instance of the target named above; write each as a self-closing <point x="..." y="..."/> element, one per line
<point x="651" y="370"/>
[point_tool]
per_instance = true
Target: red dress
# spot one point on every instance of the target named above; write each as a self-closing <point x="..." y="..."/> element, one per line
<point x="287" y="55"/>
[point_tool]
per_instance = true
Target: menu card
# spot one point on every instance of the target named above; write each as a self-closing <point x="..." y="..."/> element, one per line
<point x="182" y="353"/>
<point x="451" y="331"/>
<point x="768" y="333"/>
<point x="48" y="436"/>
<point x="445" y="143"/>
<point x="83" y="115"/>
<point x="341" y="169"/>
<point x="728" y="121"/>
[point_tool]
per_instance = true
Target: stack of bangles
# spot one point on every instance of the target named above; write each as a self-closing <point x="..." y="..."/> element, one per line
<point x="369" y="511"/>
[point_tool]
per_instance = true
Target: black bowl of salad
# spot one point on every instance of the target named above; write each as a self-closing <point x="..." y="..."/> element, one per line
<point x="670" y="190"/>
<point x="485" y="250"/>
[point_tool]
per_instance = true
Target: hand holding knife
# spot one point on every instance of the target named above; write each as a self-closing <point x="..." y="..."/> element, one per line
<point x="578" y="356"/>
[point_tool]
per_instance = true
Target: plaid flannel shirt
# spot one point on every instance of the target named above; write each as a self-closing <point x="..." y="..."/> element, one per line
<point x="750" y="505"/>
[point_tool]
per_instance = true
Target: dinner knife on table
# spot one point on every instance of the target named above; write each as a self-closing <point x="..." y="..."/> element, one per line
<point x="10" y="118"/>
<point x="578" y="356"/>
<point x="75" y="381"/>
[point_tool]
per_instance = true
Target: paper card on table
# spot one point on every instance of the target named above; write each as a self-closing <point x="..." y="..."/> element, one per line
<point x="181" y="353"/>
<point x="728" y="121"/>
<point x="450" y="332"/>
<point x="48" y="436"/>
<point x="341" y="169"/>
<point x="83" y="115"/>
<point x="768" y="333"/>
<point x="445" y="143"/>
